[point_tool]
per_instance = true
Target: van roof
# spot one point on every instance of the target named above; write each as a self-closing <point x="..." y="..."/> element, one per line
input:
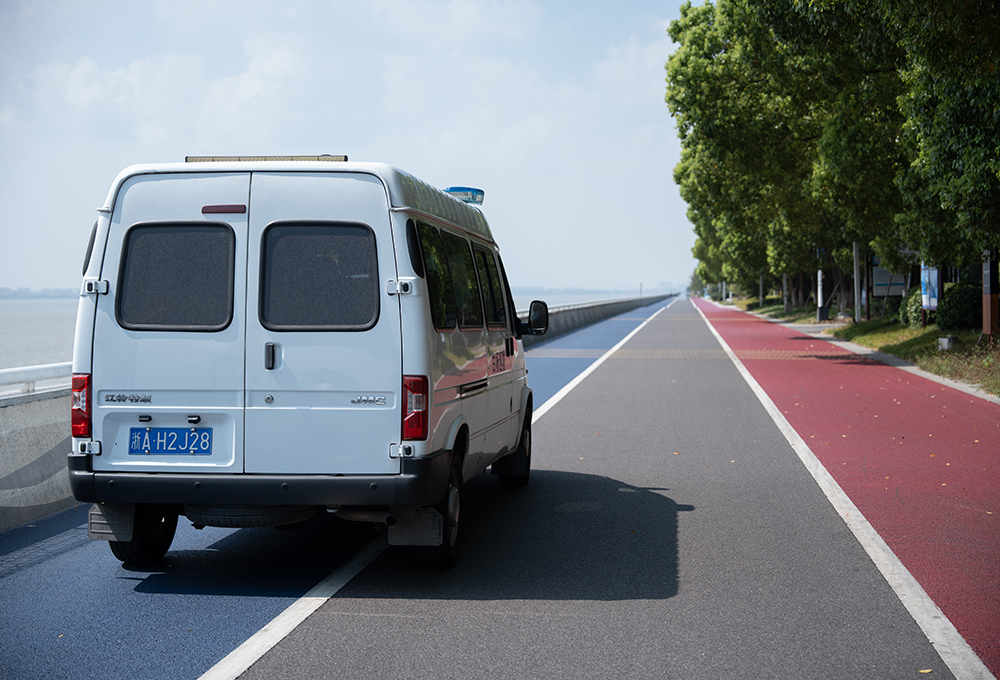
<point x="406" y="192"/>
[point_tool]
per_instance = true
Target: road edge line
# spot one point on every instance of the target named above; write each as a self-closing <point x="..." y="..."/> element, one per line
<point x="954" y="651"/>
<point x="260" y="643"/>
<point x="571" y="385"/>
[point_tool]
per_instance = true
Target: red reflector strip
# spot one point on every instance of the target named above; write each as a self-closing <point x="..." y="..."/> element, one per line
<point x="223" y="209"/>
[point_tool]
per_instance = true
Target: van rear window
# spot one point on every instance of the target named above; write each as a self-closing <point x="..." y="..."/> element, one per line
<point x="319" y="277"/>
<point x="177" y="277"/>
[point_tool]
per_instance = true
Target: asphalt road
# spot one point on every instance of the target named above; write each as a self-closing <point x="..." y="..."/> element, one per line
<point x="669" y="531"/>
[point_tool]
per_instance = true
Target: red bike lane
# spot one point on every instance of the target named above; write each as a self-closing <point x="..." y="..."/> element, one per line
<point x="919" y="459"/>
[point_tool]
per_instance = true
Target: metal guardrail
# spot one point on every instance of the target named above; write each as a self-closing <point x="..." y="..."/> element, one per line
<point x="27" y="376"/>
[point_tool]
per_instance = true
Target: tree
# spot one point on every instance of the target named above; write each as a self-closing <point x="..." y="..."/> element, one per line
<point x="808" y="124"/>
<point x="952" y="110"/>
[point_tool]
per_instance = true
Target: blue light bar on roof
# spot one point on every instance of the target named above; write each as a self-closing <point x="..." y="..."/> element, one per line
<point x="467" y="194"/>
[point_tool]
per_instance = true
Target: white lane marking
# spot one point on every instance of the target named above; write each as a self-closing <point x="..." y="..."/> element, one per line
<point x="244" y="656"/>
<point x="944" y="637"/>
<point x="558" y="396"/>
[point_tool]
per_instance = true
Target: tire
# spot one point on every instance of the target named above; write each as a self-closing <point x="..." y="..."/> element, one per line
<point x="521" y="459"/>
<point x="152" y="533"/>
<point x="445" y="555"/>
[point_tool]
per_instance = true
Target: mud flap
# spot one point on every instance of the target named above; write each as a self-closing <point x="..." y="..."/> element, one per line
<point x="111" y="522"/>
<point x="416" y="526"/>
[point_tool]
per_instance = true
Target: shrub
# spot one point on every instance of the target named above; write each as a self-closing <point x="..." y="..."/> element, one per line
<point x="960" y="307"/>
<point x="910" y="309"/>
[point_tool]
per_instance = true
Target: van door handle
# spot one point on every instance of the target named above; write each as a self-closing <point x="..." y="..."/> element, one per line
<point x="269" y="356"/>
<point x="468" y="388"/>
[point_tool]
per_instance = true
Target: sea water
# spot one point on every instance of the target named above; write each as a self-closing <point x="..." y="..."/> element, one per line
<point x="36" y="331"/>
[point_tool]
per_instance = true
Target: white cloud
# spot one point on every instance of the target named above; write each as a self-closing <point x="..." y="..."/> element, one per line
<point x="148" y="98"/>
<point x="557" y="113"/>
<point x="632" y="72"/>
<point x="259" y="101"/>
<point x="434" y="26"/>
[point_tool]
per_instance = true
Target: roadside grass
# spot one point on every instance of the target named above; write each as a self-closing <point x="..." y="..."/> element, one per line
<point x="969" y="362"/>
<point x="975" y="361"/>
<point x="776" y="310"/>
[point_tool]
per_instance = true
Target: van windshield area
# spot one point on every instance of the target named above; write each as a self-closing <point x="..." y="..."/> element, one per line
<point x="319" y="277"/>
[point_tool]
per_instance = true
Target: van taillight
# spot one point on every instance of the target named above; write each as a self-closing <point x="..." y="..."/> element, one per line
<point x="81" y="405"/>
<point x="415" y="407"/>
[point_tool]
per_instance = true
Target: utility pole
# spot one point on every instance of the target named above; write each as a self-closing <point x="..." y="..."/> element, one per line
<point x="857" y="285"/>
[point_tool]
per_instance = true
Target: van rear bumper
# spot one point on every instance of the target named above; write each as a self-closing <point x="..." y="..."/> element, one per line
<point x="422" y="481"/>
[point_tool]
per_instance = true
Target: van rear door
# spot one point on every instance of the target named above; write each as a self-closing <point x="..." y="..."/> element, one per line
<point x="167" y="370"/>
<point x="323" y="351"/>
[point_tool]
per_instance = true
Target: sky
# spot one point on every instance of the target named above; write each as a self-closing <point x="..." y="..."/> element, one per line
<point x="553" y="107"/>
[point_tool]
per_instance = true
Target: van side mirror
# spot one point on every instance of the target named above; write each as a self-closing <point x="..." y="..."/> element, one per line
<point x="538" y="318"/>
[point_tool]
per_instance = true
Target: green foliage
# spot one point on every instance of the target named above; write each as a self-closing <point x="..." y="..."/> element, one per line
<point x="952" y="78"/>
<point x="697" y="286"/>
<point x="806" y="125"/>
<point x="961" y="306"/>
<point x="911" y="309"/>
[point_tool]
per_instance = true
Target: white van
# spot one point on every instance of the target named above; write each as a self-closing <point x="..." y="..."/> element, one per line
<point x="262" y="339"/>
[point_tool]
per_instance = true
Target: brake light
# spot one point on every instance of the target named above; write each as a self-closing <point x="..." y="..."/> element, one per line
<point x="80" y="412"/>
<point x="415" y="407"/>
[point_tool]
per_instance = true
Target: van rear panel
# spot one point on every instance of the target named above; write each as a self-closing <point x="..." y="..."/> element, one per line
<point x="169" y="334"/>
<point x="247" y="326"/>
<point x="321" y="252"/>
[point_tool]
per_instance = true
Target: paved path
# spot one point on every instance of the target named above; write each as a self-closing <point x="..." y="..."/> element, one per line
<point x="920" y="459"/>
<point x="669" y="531"/>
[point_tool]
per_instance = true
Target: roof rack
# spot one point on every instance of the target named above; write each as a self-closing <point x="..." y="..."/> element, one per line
<point x="232" y="159"/>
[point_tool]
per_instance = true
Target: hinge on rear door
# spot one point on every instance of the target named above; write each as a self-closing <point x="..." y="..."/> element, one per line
<point x="94" y="287"/>
<point x="92" y="448"/>
<point x="402" y="286"/>
<point x="400" y="451"/>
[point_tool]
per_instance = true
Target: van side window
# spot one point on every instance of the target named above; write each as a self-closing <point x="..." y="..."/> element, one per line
<point x="492" y="293"/>
<point x="515" y="322"/>
<point x="177" y="277"/>
<point x="463" y="277"/>
<point x="439" y="286"/>
<point x="318" y="277"/>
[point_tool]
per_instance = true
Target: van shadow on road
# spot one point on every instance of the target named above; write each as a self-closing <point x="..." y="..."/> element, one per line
<point x="566" y="536"/>
<point x="255" y="562"/>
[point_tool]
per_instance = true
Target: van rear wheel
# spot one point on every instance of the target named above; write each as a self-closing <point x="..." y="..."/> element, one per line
<point x="446" y="554"/>
<point x="153" y="530"/>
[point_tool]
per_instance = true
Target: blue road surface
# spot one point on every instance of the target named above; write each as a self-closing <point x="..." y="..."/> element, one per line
<point x="71" y="610"/>
<point x="554" y="363"/>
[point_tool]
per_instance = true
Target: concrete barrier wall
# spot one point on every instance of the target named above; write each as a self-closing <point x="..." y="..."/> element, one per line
<point x="34" y="441"/>
<point x="569" y="318"/>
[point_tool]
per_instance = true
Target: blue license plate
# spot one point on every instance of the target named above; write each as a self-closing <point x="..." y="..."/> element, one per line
<point x="174" y="441"/>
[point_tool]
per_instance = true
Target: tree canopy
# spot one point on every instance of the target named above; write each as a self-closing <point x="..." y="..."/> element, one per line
<point x="808" y="125"/>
